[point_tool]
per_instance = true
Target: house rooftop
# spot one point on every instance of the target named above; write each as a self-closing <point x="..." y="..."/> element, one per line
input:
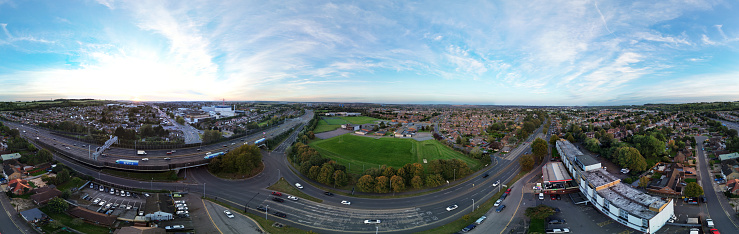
<point x="728" y="156"/>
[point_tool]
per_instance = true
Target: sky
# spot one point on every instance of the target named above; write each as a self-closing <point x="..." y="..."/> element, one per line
<point x="454" y="52"/>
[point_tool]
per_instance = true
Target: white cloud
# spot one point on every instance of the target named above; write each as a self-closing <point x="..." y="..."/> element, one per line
<point x="707" y="40"/>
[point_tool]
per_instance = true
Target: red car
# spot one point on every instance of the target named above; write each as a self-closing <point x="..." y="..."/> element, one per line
<point x="552" y="196"/>
<point x="508" y="191"/>
<point x="277" y="193"/>
<point x="714" y="231"/>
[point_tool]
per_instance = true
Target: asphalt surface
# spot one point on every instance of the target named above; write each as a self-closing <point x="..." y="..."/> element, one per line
<point x="403" y="215"/>
<point x="9" y="218"/>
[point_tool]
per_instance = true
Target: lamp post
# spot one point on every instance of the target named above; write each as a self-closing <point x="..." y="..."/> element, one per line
<point x="265" y="211"/>
<point x="247" y="203"/>
<point x="473" y="205"/>
<point x="203" y="189"/>
<point x="455" y="173"/>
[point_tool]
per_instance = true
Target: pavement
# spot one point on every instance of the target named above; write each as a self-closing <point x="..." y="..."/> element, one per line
<point x="10" y="220"/>
<point x="717" y="206"/>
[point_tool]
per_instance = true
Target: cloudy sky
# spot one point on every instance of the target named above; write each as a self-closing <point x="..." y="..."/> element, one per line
<point x="476" y="52"/>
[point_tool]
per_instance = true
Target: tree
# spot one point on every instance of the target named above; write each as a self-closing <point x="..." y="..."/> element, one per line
<point x="526" y="161"/>
<point x="649" y="146"/>
<point x="476" y="153"/>
<point x="366" y="183"/>
<point x="58" y="205"/>
<point x="417" y="182"/>
<point x="180" y="120"/>
<point x="553" y="140"/>
<point x="539" y="212"/>
<point x="570" y="138"/>
<point x="434" y="180"/>
<point x="630" y="158"/>
<point x="540" y="149"/>
<point x="382" y="185"/>
<point x="693" y="190"/>
<point x="313" y="172"/>
<point x="459" y="140"/>
<point x="340" y="178"/>
<point x="326" y="174"/>
<point x="643" y="181"/>
<point x="398" y="183"/>
<point x="593" y="145"/>
<point x="388" y="171"/>
<point x="211" y="136"/>
<point x="62" y="176"/>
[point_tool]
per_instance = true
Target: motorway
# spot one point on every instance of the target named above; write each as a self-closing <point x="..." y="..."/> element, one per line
<point x="403" y="215"/>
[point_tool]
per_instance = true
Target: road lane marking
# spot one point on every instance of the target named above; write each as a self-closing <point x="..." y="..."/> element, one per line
<point x="211" y="218"/>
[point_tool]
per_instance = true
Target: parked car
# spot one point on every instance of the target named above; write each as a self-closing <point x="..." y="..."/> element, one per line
<point x="508" y="191"/>
<point x="175" y="227"/>
<point x="292" y="198"/>
<point x="498" y="202"/>
<point x="280" y="214"/>
<point x="558" y="230"/>
<point x="500" y="208"/>
<point x="557" y="221"/>
<point x="261" y="208"/>
<point x="452" y="207"/>
<point x="469" y="228"/>
<point x="277" y="193"/>
<point x="277" y="199"/>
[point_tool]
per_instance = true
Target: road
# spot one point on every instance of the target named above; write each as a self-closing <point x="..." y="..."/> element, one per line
<point x="717" y="207"/>
<point x="403" y="215"/>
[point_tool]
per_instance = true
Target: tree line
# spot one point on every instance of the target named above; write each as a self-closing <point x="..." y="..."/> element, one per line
<point x="243" y="160"/>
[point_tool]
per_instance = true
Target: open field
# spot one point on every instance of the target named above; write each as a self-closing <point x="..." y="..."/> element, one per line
<point x="330" y="123"/>
<point x="359" y="119"/>
<point x="372" y="152"/>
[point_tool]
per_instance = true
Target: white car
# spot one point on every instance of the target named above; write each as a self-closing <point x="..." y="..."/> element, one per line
<point x="228" y="214"/>
<point x="495" y="184"/>
<point x="181" y="205"/>
<point x="452" y="207"/>
<point x="128" y="207"/>
<point x="181" y="212"/>
<point x="145" y="159"/>
<point x="101" y="188"/>
<point x="96" y="201"/>
<point x="182" y="208"/>
<point x="292" y="198"/>
<point x="346" y="202"/>
<point x="179" y="202"/>
<point x="497" y="203"/>
<point x="371" y="221"/>
<point x="298" y="185"/>
<point x="174" y="227"/>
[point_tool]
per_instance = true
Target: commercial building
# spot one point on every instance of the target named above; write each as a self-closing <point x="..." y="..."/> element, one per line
<point x="556" y="179"/>
<point x="159" y="207"/>
<point x="618" y="201"/>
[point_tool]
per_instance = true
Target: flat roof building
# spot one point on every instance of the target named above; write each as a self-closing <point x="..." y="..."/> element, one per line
<point x="620" y="202"/>
<point x="555" y="172"/>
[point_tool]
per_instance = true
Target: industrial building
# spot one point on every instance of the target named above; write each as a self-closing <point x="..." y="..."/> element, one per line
<point x="620" y="202"/>
<point x="556" y="179"/>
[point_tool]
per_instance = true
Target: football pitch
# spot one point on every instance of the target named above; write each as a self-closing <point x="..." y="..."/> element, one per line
<point x="358" y="152"/>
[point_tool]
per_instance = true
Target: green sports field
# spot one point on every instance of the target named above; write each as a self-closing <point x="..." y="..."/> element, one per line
<point x="396" y="152"/>
<point x="331" y="123"/>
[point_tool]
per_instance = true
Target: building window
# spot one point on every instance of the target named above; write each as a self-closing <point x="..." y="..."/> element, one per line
<point x="645" y="222"/>
<point x="623" y="214"/>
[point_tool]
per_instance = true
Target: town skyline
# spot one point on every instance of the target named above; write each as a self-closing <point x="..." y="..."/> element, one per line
<point x="593" y="53"/>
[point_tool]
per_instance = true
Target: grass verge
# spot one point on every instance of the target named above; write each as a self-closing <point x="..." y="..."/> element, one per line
<point x="285" y="187"/>
<point x="70" y="184"/>
<point x="146" y="176"/>
<point x="266" y="224"/>
<point x="537" y="226"/>
<point x="456" y="225"/>
<point x="67" y="221"/>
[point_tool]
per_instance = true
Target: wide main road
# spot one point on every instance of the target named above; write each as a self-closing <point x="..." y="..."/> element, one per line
<point x="404" y="215"/>
<point x="717" y="206"/>
<point x="155" y="157"/>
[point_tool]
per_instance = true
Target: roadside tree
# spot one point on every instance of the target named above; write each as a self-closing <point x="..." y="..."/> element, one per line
<point x="693" y="190"/>
<point x="366" y="183"/>
<point x="526" y="161"/>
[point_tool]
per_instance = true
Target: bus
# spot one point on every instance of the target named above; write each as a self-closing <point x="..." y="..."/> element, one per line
<point x="260" y="141"/>
<point x="127" y="162"/>
<point x="213" y="155"/>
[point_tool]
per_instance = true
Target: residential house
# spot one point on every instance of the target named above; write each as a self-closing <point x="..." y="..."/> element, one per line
<point x="159" y="207"/>
<point x="92" y="216"/>
<point x="733" y="186"/>
<point x="731" y="156"/>
<point x="19" y="186"/>
<point x="44" y="195"/>
<point x="729" y="170"/>
<point x="672" y="180"/>
<point x="10" y="172"/>
<point x="13" y="156"/>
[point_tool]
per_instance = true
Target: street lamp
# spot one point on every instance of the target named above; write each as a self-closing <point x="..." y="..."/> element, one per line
<point x="203" y="189"/>
<point x="247" y="203"/>
<point x="265" y="211"/>
<point x="473" y="205"/>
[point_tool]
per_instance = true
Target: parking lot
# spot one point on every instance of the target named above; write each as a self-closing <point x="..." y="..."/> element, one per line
<point x="113" y="201"/>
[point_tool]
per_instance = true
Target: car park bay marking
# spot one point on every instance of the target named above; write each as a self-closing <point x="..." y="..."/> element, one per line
<point x="604" y="223"/>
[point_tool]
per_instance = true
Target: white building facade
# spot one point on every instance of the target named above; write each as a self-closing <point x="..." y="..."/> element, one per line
<point x="618" y="201"/>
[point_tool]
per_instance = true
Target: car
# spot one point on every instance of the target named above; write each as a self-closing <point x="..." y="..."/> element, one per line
<point x="182" y="212"/>
<point x="228" y="214"/>
<point x="141" y="213"/>
<point x="174" y="151"/>
<point x="557" y="210"/>
<point x="292" y="198"/>
<point x="128" y="207"/>
<point x="123" y="194"/>
<point x="170" y="152"/>
<point x="261" y="208"/>
<point x="101" y="203"/>
<point x="145" y="159"/>
<point x="277" y="199"/>
<point x="179" y="202"/>
<point x="559" y="197"/>
<point x="508" y="191"/>
<point x="180" y="205"/>
<point x="557" y="221"/>
<point x="541" y="196"/>
<point x="714" y="231"/>
<point x="277" y="194"/>
<point x="225" y="145"/>
<point x="452" y="207"/>
<point x="298" y="185"/>
<point x="552" y="197"/>
<point x="558" y="230"/>
<point x="146" y="194"/>
<point x="371" y="221"/>
<point x="328" y="194"/>
<point x="346" y="202"/>
<point x="495" y="184"/>
<point x="703" y="198"/>
<point x="485" y="175"/>
<point x="112" y="191"/>
<point x="182" y="208"/>
<point x="469" y="228"/>
<point x="167" y="158"/>
<point x="498" y="202"/>
<point x="500" y="208"/>
<point x="128" y="194"/>
<point x="503" y="196"/>
<point x="280" y="214"/>
<point x="174" y="227"/>
<point x="91" y="185"/>
<point x="96" y="201"/>
<point x="480" y="220"/>
<point x="101" y="189"/>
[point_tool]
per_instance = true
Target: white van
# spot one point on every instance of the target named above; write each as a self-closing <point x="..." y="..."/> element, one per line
<point x="541" y="196"/>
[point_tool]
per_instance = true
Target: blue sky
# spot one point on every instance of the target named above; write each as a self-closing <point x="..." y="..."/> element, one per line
<point x="476" y="52"/>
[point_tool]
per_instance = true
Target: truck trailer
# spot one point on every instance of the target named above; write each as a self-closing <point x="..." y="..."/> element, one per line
<point x="141" y="152"/>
